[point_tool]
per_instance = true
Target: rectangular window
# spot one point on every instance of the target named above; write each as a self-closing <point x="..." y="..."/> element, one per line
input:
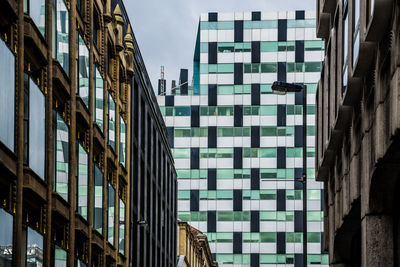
<point x="203" y="47"/>
<point x="356" y="30"/>
<point x="182" y="111"/>
<point x="225" y="68"/>
<point x="6" y="238"/>
<point x="122" y="141"/>
<point x="313" y="45"/>
<point x="269" y="67"/>
<point x="121" y="229"/>
<point x="60" y="257"/>
<point x="7" y="99"/>
<point x="110" y="213"/>
<point x="36" y="9"/>
<point x="99" y="99"/>
<point x="35" y="127"/>
<point x="181" y="153"/>
<point x="34" y="248"/>
<point x="61" y="34"/>
<point x="345" y="45"/>
<point x="61" y="155"/>
<point x="111" y="121"/>
<point x="98" y="199"/>
<point x="269" y="46"/>
<point x="82" y="88"/>
<point x="82" y="182"/>
<point x="226" y="47"/>
<point x="312" y="66"/>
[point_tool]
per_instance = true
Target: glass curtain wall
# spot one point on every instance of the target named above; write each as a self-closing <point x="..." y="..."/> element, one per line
<point x="61" y="135"/>
<point x="6" y="238"/>
<point x="122" y="141"/>
<point x="99" y="98"/>
<point x="83" y="177"/>
<point x="83" y="70"/>
<point x="98" y="199"/>
<point x="36" y="9"/>
<point x="34" y="127"/>
<point x="111" y="213"/>
<point x="111" y="121"/>
<point x="61" y="34"/>
<point x="121" y="229"/>
<point x="7" y="99"/>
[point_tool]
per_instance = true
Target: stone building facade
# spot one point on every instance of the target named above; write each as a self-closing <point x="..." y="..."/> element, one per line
<point x="193" y="247"/>
<point x="357" y="143"/>
<point x="67" y="71"/>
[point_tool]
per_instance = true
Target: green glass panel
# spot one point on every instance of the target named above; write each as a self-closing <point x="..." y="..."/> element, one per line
<point x="314" y="237"/>
<point x="269" y="46"/>
<point x="203" y="47"/>
<point x="225" y="90"/>
<point x="268" y="237"/>
<point x="268" y="110"/>
<point x="312" y="66"/>
<point x="212" y="68"/>
<point x="269" y="67"/>
<point x="203" y="68"/>
<point x="313" y="45"/>
<point x="266" y="88"/>
<point x="225" y="68"/>
<point x="267" y="215"/>
<point x="247" y="68"/>
<point x="267" y="194"/>
<point x="224" y="215"/>
<point x="267" y="152"/>
<point x="184" y="194"/>
<point x="226" y="47"/>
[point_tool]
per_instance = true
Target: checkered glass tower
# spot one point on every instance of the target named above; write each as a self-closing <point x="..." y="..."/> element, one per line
<point x="238" y="147"/>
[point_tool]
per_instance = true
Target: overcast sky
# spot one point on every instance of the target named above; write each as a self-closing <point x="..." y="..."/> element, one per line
<point x="166" y="29"/>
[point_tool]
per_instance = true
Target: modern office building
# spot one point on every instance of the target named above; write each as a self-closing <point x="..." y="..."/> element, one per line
<point x="357" y="146"/>
<point x="193" y="247"/>
<point x="68" y="70"/>
<point x="238" y="147"/>
<point x="153" y="178"/>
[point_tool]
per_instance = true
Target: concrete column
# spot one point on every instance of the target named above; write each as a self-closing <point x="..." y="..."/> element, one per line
<point x="377" y="241"/>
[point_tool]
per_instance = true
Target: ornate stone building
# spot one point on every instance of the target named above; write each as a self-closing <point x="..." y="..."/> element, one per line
<point x="193" y="247"/>
<point x="357" y="144"/>
<point x="67" y="71"/>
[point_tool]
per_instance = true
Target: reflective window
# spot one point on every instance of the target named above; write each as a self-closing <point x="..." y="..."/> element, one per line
<point x="121" y="229"/>
<point x="182" y="111"/>
<point x="111" y="122"/>
<point x="83" y="177"/>
<point x="61" y="157"/>
<point x="34" y="249"/>
<point x="6" y="238"/>
<point x="356" y="30"/>
<point x="83" y="71"/>
<point x="345" y="46"/>
<point x="80" y="263"/>
<point x="7" y="99"/>
<point x="98" y="199"/>
<point x="36" y="9"/>
<point x="61" y="34"/>
<point x="34" y="127"/>
<point x="122" y="141"/>
<point x="110" y="213"/>
<point x="99" y="98"/>
<point x="60" y="257"/>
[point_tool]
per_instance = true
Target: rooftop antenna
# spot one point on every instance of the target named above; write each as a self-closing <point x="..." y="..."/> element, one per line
<point x="162" y="83"/>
